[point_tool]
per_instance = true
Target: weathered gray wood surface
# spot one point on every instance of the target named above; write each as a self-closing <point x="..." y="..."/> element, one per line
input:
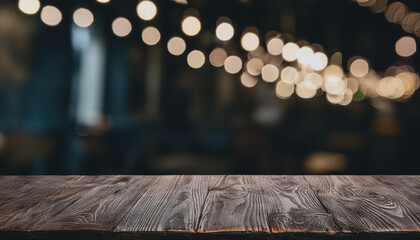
<point x="362" y="204"/>
<point x="210" y="207"/>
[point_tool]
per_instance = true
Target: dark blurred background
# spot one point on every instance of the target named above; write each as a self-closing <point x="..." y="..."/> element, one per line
<point x="83" y="101"/>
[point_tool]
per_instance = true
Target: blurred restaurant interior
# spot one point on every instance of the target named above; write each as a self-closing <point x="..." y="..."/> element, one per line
<point x="209" y="87"/>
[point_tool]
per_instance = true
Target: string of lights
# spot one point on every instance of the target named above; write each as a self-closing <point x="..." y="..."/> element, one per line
<point x="294" y="67"/>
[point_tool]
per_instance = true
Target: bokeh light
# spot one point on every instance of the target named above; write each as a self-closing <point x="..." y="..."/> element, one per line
<point x="217" y="57"/>
<point x="379" y="6"/>
<point x="406" y="46"/>
<point x="304" y="55"/>
<point x="121" y="27"/>
<point x="411" y="82"/>
<point x="395" y="12"/>
<point x="334" y="99"/>
<point x="408" y="23"/>
<point x="269" y="73"/>
<point x="284" y="90"/>
<point x="334" y="85"/>
<point x="353" y="85"/>
<point x="318" y="61"/>
<point x="290" y="52"/>
<point x="176" y="46"/>
<point x="315" y="79"/>
<point x="224" y="31"/>
<point x="366" y="3"/>
<point x="250" y="41"/>
<point x="29" y="7"/>
<point x="254" y="66"/>
<point x="248" y="80"/>
<point x="348" y="96"/>
<point x="359" y="68"/>
<point x="150" y="36"/>
<point x="305" y="90"/>
<point x="233" y="64"/>
<point x="146" y="10"/>
<point x="83" y="17"/>
<point x="191" y="26"/>
<point x="103" y="1"/>
<point x="275" y="46"/>
<point x="290" y="75"/>
<point x="51" y="16"/>
<point x="196" y="59"/>
<point x="333" y="70"/>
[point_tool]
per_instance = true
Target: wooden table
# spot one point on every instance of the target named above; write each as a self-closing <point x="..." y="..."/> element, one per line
<point x="210" y="207"/>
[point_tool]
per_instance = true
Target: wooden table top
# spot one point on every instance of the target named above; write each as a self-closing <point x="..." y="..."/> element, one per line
<point x="210" y="207"/>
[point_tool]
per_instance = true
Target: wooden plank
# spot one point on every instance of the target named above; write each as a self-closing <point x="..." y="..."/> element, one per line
<point x="41" y="203"/>
<point x="362" y="204"/>
<point x="292" y="206"/>
<point x="28" y="199"/>
<point x="408" y="186"/>
<point x="101" y="208"/>
<point x="20" y="182"/>
<point x="235" y="203"/>
<point x="172" y="203"/>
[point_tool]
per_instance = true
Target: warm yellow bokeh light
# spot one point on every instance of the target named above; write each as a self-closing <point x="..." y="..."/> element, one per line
<point x="352" y="84"/>
<point x="191" y="26"/>
<point x="304" y="55"/>
<point x="51" y="16"/>
<point x="366" y="3"/>
<point x="290" y="52"/>
<point x="335" y="99"/>
<point x="224" y="31"/>
<point x="334" y="85"/>
<point x="411" y="82"/>
<point x="348" y="96"/>
<point x="315" y="79"/>
<point x="254" y="66"/>
<point x="250" y="41"/>
<point x="359" y="68"/>
<point x="406" y="46"/>
<point x="196" y="59"/>
<point x="150" y="36"/>
<point x="83" y="17"/>
<point x="391" y="87"/>
<point x="103" y="1"/>
<point x="248" y="80"/>
<point x="318" y="61"/>
<point x="275" y="46"/>
<point x="305" y="90"/>
<point x="284" y="90"/>
<point x="146" y="10"/>
<point x="269" y="73"/>
<point x="29" y="7"/>
<point x="121" y="27"/>
<point x="233" y="64"/>
<point x="176" y="46"/>
<point x="290" y="75"/>
<point x="217" y="57"/>
<point x="334" y="70"/>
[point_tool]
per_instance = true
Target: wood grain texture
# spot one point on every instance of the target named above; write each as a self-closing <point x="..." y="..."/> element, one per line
<point x="101" y="208"/>
<point x="42" y="203"/>
<point x="408" y="186"/>
<point x="210" y="207"/>
<point x="292" y="206"/>
<point x="235" y="203"/>
<point x="172" y="203"/>
<point x="362" y="204"/>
